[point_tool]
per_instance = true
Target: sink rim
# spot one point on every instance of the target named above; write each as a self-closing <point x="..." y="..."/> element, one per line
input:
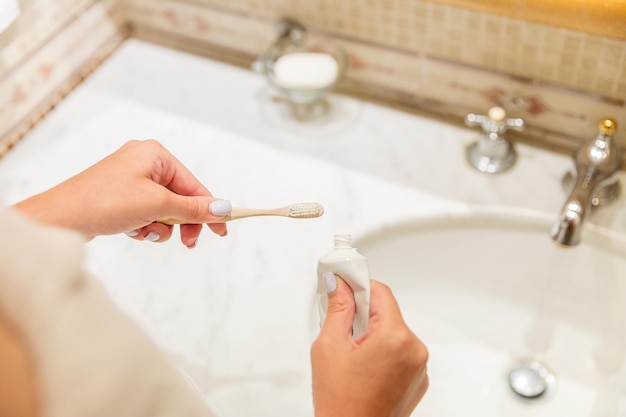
<point x="495" y="217"/>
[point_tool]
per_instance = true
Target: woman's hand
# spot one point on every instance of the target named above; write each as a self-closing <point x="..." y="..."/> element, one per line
<point x="381" y="374"/>
<point x="127" y="192"/>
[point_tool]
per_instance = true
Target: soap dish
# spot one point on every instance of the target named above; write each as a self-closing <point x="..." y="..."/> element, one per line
<point x="303" y="71"/>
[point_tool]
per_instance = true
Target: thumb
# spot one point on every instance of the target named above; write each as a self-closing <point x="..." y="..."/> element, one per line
<point x="341" y="308"/>
<point x="198" y="209"/>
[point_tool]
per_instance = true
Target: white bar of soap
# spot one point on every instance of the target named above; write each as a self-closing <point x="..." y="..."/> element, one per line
<point x="305" y="70"/>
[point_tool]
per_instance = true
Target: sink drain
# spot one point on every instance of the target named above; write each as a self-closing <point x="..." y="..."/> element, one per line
<point x="531" y="380"/>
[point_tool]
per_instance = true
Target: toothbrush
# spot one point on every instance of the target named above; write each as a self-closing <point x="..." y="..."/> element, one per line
<point x="295" y="211"/>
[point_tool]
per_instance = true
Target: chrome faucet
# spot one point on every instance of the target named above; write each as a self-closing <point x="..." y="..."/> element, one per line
<point x="492" y="153"/>
<point x="593" y="182"/>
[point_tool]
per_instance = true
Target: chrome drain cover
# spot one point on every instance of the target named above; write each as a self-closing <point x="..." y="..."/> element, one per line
<point x="531" y="380"/>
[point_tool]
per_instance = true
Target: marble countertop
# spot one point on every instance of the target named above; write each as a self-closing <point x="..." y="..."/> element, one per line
<point x="238" y="313"/>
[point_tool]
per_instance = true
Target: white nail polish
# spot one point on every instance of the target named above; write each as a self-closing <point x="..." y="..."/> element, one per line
<point x="132" y="233"/>
<point x="152" y="237"/>
<point x="220" y="207"/>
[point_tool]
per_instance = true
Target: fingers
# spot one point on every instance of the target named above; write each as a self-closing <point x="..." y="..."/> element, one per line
<point x="386" y="323"/>
<point x="189" y="199"/>
<point x="219" y="229"/>
<point x="341" y="308"/>
<point x="196" y="213"/>
<point x="159" y="232"/>
<point x="383" y="305"/>
<point x="189" y="234"/>
<point x="154" y="232"/>
<point x="175" y="176"/>
<point x="193" y="211"/>
<point x="198" y="210"/>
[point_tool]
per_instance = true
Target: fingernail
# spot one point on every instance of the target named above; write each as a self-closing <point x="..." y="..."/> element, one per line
<point x="193" y="245"/>
<point x="220" y="207"/>
<point x="152" y="237"/>
<point x="330" y="282"/>
<point x="132" y="233"/>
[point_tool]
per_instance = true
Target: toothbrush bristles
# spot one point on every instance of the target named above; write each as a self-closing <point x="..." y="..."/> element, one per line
<point x="305" y="210"/>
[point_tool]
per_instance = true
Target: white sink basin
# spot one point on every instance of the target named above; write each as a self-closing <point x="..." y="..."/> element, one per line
<point x="486" y="291"/>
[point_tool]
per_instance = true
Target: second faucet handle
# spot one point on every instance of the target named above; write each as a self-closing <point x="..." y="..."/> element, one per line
<point x="492" y="153"/>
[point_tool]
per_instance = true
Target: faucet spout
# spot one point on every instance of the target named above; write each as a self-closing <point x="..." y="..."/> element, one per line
<point x="567" y="229"/>
<point x="596" y="168"/>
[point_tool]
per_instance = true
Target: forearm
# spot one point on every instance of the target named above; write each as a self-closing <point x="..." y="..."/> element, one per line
<point x="44" y="208"/>
<point x="57" y="207"/>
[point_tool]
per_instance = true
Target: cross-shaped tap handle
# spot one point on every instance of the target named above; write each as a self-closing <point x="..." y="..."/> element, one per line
<point x="494" y="121"/>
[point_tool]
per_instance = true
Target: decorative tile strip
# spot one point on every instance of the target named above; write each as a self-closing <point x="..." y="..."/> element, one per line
<point x="53" y="71"/>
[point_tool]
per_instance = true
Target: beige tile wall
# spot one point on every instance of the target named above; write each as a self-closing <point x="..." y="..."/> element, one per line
<point x="424" y="55"/>
<point x="565" y="57"/>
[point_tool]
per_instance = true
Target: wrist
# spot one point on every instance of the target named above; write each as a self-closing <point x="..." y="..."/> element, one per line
<point x="48" y="209"/>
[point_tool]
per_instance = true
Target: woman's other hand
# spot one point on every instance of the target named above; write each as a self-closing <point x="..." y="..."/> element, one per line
<point x="381" y="374"/>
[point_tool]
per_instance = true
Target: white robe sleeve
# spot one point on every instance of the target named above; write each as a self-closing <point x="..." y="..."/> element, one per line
<point x="90" y="359"/>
